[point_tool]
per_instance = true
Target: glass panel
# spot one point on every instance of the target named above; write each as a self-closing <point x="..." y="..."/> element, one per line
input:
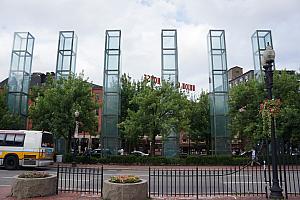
<point x="168" y="42"/>
<point x="2" y="137"/>
<point x="15" y="62"/>
<point x="68" y="44"/>
<point x="30" y="46"/>
<point x="26" y="83"/>
<point x="220" y="104"/>
<point x="24" y="104"/>
<point x="17" y="42"/>
<point x="47" y="140"/>
<point x="216" y="44"/>
<point x="9" y="141"/>
<point x="168" y="61"/>
<point x="113" y="62"/>
<point x="27" y="66"/>
<point x="218" y="82"/>
<point x="19" y="140"/>
<point x="112" y="102"/>
<point x="112" y="83"/>
<point x="220" y="125"/>
<point x="66" y="63"/>
<point x="113" y="43"/>
<point x="169" y="78"/>
<point x="217" y="62"/>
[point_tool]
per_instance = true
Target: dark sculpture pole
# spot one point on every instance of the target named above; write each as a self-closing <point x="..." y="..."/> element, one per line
<point x="276" y="191"/>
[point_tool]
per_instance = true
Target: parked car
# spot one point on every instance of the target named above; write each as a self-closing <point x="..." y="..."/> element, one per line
<point x="98" y="152"/>
<point x="139" y="153"/>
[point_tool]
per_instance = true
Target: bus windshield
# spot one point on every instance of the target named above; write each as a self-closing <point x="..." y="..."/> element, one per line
<point x="47" y="140"/>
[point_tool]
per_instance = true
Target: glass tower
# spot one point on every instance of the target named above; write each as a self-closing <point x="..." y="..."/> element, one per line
<point x="111" y="97"/>
<point x="66" y="54"/>
<point x="218" y="96"/>
<point x="259" y="40"/>
<point x="169" y="73"/>
<point x="19" y="74"/>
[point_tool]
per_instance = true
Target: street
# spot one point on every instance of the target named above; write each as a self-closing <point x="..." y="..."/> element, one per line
<point x="167" y="182"/>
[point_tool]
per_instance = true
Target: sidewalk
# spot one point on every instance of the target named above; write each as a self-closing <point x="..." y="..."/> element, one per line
<point x="146" y="167"/>
<point x="5" y="192"/>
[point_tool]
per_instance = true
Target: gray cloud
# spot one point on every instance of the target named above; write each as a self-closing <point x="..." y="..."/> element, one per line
<point x="141" y="22"/>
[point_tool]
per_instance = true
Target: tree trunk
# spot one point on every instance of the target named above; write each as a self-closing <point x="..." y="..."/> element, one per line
<point x="69" y="142"/>
<point x="152" y="152"/>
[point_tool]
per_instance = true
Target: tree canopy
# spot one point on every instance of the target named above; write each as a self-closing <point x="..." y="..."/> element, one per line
<point x="244" y="104"/>
<point x="54" y="107"/>
<point x="8" y="120"/>
<point x="158" y="110"/>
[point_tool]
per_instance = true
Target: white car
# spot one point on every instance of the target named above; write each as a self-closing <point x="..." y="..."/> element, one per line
<point x="139" y="153"/>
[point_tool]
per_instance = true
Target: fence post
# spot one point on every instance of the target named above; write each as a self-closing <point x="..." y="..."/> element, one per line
<point x="149" y="183"/>
<point x="197" y="183"/>
<point x="57" y="178"/>
<point x="102" y="181"/>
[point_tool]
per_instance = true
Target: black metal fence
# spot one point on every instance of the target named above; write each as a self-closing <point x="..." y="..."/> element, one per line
<point x="78" y="179"/>
<point x="240" y="181"/>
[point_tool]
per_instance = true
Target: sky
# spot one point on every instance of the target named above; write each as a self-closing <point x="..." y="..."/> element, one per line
<point x="141" y="22"/>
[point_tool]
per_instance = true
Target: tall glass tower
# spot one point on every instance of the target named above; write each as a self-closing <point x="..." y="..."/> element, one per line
<point x="19" y="74"/>
<point x="66" y="54"/>
<point x="169" y="73"/>
<point x="259" y="40"/>
<point x="111" y="97"/>
<point x="218" y="96"/>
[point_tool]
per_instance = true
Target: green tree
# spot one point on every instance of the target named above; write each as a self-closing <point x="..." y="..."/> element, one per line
<point x="54" y="108"/>
<point x="200" y="120"/>
<point x="159" y="110"/>
<point x="8" y="120"/>
<point x="244" y="101"/>
<point x="245" y="120"/>
<point x="286" y="88"/>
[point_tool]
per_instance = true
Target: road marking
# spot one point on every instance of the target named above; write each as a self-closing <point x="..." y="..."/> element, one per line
<point x="244" y="182"/>
<point x="5" y="185"/>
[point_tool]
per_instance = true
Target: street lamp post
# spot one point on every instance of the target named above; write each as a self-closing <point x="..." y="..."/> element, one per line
<point x="74" y="138"/>
<point x="268" y="58"/>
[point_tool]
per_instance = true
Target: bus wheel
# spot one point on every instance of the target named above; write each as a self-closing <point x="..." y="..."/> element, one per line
<point x="11" y="162"/>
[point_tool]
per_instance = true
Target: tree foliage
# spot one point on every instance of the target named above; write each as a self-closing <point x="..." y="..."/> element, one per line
<point x="157" y="111"/>
<point x="8" y="120"/>
<point x="54" y="107"/>
<point x="199" y="120"/>
<point x="244" y="102"/>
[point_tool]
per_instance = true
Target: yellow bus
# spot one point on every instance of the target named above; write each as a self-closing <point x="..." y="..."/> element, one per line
<point x="25" y="148"/>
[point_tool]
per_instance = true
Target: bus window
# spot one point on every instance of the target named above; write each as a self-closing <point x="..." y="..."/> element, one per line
<point x="47" y="140"/>
<point x="2" y="137"/>
<point x="19" y="140"/>
<point x="9" y="141"/>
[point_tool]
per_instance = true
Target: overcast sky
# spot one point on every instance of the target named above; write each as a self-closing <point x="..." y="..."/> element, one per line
<point x="141" y="22"/>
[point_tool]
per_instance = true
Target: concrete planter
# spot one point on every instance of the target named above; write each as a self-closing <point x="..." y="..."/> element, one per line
<point x="126" y="191"/>
<point x="34" y="187"/>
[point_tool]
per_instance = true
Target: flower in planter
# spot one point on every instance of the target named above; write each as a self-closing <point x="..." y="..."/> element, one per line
<point x="269" y="109"/>
<point x="125" y="179"/>
<point x="34" y="175"/>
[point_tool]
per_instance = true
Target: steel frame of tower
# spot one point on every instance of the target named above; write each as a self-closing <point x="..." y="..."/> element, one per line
<point x="111" y="98"/>
<point x="66" y="54"/>
<point x="169" y="73"/>
<point x="259" y="40"/>
<point x="218" y="95"/>
<point x="169" y="56"/>
<point x="19" y="74"/>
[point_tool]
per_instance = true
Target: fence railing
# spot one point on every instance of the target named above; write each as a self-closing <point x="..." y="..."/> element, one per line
<point x="78" y="179"/>
<point x="191" y="182"/>
<point x="240" y="181"/>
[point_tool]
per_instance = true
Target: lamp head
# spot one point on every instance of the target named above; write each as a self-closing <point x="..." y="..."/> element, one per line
<point x="76" y="113"/>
